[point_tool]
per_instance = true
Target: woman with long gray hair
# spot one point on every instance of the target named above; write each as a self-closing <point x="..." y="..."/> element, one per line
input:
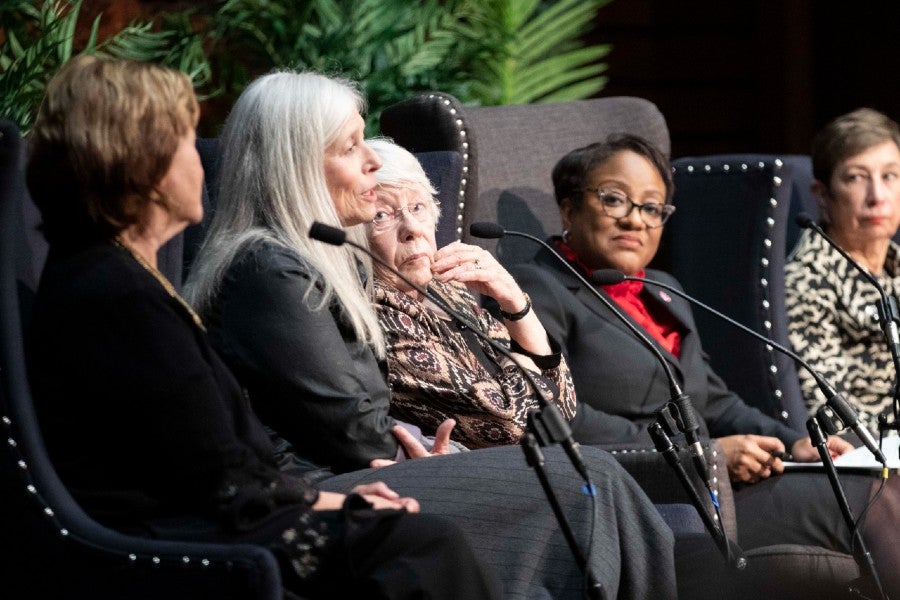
<point x="292" y="318"/>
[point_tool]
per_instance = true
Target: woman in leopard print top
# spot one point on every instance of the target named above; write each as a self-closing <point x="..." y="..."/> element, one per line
<point x="438" y="370"/>
<point x="832" y="309"/>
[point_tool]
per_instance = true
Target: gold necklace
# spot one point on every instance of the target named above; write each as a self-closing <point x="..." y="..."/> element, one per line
<point x="167" y="285"/>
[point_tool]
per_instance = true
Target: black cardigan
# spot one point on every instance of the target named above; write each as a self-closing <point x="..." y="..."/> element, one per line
<point x="141" y="418"/>
<point x="308" y="376"/>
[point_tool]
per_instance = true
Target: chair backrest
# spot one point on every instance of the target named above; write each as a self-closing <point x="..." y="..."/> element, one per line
<point x="53" y="549"/>
<point x="508" y="153"/>
<point x="726" y="244"/>
<point x="802" y="200"/>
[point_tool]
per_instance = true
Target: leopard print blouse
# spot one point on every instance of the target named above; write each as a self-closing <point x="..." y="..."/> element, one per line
<point x="833" y="320"/>
<point x="434" y="374"/>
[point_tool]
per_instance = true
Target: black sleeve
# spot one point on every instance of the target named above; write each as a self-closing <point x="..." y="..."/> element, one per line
<point x="174" y="409"/>
<point x="726" y="413"/>
<point x="322" y="392"/>
<point x="550" y="302"/>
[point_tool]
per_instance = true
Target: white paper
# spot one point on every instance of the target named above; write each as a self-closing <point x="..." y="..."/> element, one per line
<point x="861" y="458"/>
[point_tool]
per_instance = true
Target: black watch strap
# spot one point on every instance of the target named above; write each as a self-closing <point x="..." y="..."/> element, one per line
<point x="518" y="315"/>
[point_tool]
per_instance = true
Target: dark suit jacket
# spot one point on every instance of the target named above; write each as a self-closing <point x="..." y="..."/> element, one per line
<point x="619" y="382"/>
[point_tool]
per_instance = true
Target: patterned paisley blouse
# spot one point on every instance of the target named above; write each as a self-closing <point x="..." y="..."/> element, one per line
<point x="833" y="319"/>
<point x="437" y="372"/>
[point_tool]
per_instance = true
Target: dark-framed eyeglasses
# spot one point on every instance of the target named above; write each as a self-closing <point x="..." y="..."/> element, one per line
<point x="617" y="204"/>
<point x="421" y="210"/>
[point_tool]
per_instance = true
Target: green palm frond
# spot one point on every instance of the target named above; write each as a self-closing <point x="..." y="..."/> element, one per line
<point x="542" y="58"/>
<point x="40" y="39"/>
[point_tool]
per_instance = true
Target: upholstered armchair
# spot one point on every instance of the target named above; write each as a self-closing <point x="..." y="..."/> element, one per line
<point x="726" y="245"/>
<point x="507" y="155"/>
<point x="52" y="549"/>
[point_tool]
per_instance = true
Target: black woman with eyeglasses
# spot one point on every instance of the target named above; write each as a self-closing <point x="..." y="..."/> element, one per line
<point x="614" y="198"/>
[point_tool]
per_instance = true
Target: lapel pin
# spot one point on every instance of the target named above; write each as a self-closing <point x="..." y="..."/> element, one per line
<point x="666" y="297"/>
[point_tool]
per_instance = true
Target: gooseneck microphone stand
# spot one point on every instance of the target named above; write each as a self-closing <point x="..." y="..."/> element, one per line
<point x="730" y="550"/>
<point x="688" y="423"/>
<point x="546" y="425"/>
<point x="833" y="399"/>
<point x="888" y="317"/>
<point x="860" y="552"/>
<point x="679" y="403"/>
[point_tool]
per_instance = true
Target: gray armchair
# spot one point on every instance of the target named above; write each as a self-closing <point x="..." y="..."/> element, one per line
<point x="508" y="152"/>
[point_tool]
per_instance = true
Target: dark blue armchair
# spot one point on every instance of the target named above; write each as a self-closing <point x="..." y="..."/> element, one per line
<point x="52" y="549"/>
<point x="726" y="244"/>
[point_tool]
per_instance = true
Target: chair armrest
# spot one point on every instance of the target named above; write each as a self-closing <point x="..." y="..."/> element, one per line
<point x="656" y="477"/>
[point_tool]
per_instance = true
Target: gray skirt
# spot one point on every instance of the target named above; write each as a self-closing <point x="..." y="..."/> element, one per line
<point x="495" y="497"/>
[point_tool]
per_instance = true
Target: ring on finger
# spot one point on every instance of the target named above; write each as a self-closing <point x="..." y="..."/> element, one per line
<point x="477" y="266"/>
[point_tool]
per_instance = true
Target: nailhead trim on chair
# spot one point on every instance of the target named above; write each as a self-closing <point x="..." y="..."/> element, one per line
<point x="444" y="101"/>
<point x="714" y="476"/>
<point x="63" y="532"/>
<point x="764" y="262"/>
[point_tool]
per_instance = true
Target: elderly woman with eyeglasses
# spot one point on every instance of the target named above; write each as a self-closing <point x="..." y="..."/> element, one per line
<point x="438" y="369"/>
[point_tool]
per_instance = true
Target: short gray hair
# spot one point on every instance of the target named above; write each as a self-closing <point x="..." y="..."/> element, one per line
<point x="400" y="168"/>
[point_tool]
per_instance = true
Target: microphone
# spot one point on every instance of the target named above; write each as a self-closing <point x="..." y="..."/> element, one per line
<point x="555" y="426"/>
<point x="730" y="550"/>
<point x="328" y="234"/>
<point x="688" y="420"/>
<point x="834" y="399"/>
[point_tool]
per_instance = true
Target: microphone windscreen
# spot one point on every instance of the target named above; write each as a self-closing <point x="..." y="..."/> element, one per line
<point x="804" y="220"/>
<point x="608" y="277"/>
<point x="486" y="230"/>
<point x="328" y="234"/>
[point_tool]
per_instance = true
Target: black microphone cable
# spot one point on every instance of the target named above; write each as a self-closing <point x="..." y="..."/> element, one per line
<point x="551" y="419"/>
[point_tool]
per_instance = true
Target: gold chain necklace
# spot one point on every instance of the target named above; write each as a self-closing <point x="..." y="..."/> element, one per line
<point x="167" y="285"/>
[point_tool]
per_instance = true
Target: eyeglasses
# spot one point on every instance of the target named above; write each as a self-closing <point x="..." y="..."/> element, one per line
<point x="388" y="219"/>
<point x="618" y="205"/>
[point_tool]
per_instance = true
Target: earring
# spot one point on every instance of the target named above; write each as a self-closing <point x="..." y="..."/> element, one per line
<point x="565" y="235"/>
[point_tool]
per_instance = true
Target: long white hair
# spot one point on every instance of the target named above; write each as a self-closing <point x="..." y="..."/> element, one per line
<point x="272" y="187"/>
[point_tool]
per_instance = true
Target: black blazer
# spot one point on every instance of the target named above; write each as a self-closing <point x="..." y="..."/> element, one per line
<point x="619" y="382"/>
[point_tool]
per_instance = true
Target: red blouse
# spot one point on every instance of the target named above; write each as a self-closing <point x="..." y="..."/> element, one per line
<point x="627" y="294"/>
